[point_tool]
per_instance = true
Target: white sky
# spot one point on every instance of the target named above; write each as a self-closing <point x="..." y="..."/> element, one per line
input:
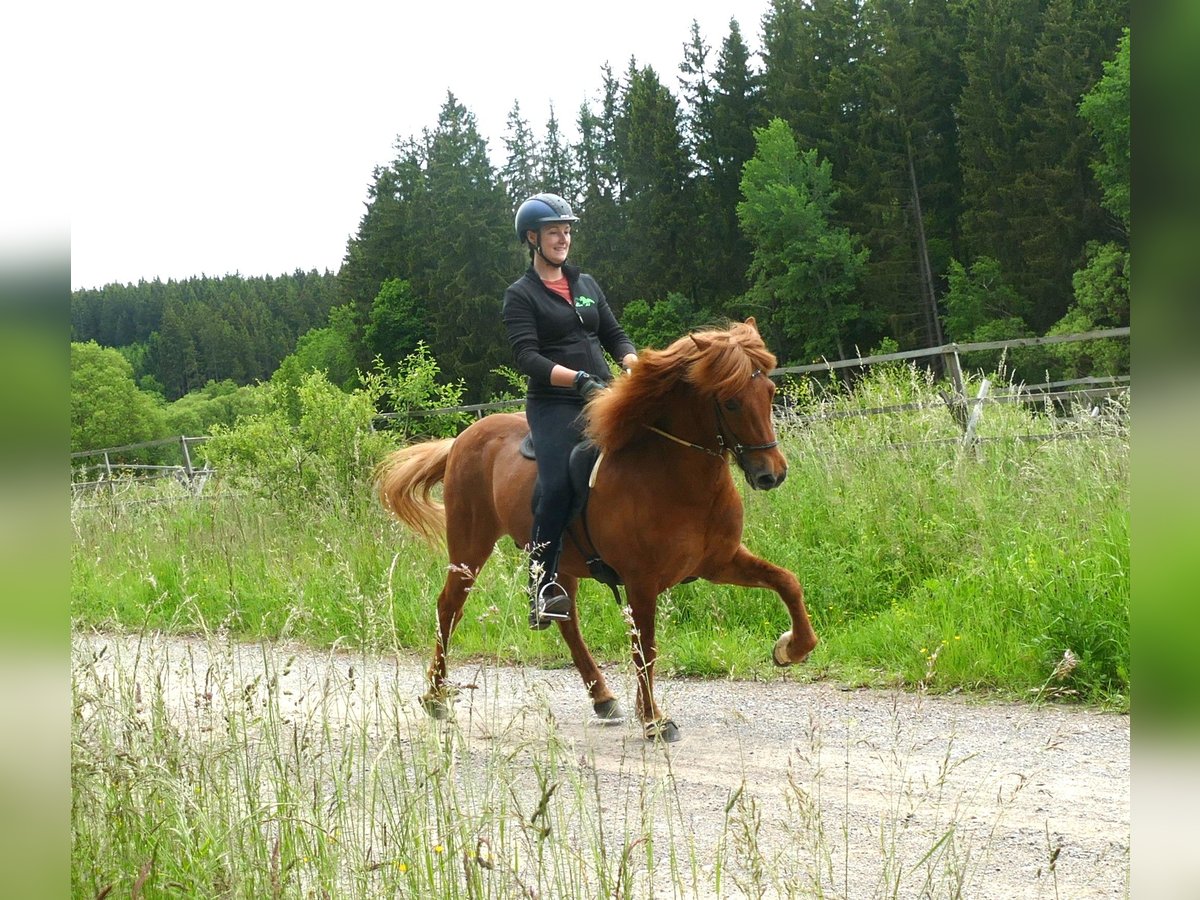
<point x="241" y="137"/>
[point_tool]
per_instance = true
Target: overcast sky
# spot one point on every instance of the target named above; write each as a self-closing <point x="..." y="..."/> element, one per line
<point x="241" y="137"/>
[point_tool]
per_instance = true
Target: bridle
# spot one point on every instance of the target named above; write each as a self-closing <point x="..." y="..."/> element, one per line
<point x="734" y="446"/>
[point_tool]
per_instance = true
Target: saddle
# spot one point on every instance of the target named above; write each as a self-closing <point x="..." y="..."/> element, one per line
<point x="585" y="457"/>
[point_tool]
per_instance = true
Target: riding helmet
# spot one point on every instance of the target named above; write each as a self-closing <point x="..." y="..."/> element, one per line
<point x="539" y="210"/>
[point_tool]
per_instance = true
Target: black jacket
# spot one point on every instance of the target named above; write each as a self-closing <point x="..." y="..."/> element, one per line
<point x="544" y="330"/>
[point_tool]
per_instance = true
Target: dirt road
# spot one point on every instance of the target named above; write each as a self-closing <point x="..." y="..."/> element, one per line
<point x="839" y="793"/>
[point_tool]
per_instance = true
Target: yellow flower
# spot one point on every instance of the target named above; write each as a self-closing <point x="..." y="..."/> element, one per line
<point x="403" y="867"/>
<point x="438" y="848"/>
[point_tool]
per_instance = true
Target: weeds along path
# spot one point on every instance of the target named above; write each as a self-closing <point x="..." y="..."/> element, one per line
<point x="776" y="789"/>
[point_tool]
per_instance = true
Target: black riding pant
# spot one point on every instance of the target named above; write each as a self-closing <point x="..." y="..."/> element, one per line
<point x="557" y="426"/>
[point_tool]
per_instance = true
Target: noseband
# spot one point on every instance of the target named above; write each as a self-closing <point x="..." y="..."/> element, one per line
<point x="734" y="446"/>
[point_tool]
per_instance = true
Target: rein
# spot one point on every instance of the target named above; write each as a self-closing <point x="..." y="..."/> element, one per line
<point x="719" y="453"/>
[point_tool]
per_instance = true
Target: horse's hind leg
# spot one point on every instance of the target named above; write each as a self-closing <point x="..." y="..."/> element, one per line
<point x="450" y="602"/>
<point x="466" y="560"/>
<point x="604" y="703"/>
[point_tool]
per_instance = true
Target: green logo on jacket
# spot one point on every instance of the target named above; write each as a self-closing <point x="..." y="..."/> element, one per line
<point x="584" y="301"/>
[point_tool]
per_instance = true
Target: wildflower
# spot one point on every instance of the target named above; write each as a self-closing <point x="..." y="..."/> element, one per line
<point x="401" y="867"/>
<point x="438" y="848"/>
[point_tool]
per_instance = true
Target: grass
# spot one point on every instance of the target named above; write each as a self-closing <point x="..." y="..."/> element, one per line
<point x="925" y="564"/>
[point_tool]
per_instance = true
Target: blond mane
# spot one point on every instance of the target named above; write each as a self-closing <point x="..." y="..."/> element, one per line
<point x="715" y="362"/>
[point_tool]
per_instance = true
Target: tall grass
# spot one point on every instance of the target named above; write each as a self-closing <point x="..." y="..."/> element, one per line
<point x="1002" y="567"/>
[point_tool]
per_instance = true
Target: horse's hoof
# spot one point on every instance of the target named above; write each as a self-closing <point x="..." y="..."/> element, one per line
<point x="608" y="712"/>
<point x="663" y="731"/>
<point x="779" y="653"/>
<point x="435" y="706"/>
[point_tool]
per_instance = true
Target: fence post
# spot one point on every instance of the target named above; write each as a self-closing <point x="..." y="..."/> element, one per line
<point x="956" y="374"/>
<point x="187" y="459"/>
<point x="976" y="414"/>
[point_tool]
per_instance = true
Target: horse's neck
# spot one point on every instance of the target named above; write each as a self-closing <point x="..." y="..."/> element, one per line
<point x="691" y="420"/>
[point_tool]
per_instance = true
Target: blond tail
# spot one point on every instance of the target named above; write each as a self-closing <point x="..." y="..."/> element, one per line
<point x="405" y="480"/>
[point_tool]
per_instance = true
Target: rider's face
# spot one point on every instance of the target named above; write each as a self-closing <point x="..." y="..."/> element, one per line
<point x="556" y="242"/>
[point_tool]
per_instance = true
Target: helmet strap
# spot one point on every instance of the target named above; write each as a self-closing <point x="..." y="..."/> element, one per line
<point x="538" y="250"/>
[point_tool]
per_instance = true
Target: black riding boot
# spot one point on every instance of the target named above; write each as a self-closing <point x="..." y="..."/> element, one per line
<point x="548" y="601"/>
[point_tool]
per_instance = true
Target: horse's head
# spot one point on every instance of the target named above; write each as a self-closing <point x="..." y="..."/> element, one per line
<point x="712" y="379"/>
<point x="733" y="367"/>
<point x="745" y="428"/>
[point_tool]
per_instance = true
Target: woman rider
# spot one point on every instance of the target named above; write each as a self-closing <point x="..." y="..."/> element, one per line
<point x="559" y="325"/>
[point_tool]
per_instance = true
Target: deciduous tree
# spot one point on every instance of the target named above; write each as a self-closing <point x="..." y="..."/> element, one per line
<point x="804" y="269"/>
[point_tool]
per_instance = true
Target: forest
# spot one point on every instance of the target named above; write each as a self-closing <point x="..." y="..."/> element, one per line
<point x="895" y="173"/>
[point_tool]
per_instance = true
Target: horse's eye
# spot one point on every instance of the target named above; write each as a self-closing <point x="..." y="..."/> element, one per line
<point x="732" y="405"/>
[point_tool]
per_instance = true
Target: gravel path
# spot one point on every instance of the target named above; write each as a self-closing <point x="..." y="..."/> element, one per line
<point x="856" y="793"/>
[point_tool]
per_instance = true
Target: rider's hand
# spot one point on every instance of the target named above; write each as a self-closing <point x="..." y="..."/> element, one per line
<point x="588" y="385"/>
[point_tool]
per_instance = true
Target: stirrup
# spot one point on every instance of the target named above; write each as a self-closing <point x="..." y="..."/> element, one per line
<point x="551" y="605"/>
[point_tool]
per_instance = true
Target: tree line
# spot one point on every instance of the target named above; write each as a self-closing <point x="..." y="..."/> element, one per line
<point x="884" y="172"/>
<point x="180" y="335"/>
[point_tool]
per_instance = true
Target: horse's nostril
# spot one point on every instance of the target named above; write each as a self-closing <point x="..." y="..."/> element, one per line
<point x="765" y="481"/>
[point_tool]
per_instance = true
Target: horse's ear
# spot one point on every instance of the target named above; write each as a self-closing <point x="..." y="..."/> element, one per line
<point x="702" y="343"/>
<point x="750" y="321"/>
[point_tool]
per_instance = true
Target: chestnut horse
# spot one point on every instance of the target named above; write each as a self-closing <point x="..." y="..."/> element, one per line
<point x="663" y="508"/>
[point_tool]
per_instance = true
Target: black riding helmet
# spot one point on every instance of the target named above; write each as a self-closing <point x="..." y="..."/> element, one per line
<point x="539" y="210"/>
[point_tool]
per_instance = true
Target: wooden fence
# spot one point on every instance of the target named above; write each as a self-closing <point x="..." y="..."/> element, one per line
<point x="111" y="474"/>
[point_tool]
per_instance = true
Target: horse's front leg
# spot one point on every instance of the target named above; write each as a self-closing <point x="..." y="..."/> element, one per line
<point x="747" y="570"/>
<point x="603" y="702"/>
<point x="643" y="605"/>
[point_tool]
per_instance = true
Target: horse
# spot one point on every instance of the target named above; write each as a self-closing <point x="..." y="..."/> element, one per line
<point x="663" y="507"/>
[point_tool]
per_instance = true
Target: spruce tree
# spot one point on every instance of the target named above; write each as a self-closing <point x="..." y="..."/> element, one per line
<point x="466" y="251"/>
<point x="520" y="170"/>
<point x="906" y="176"/>
<point x="1059" y="202"/>
<point x="657" y="200"/>
<point x="734" y="111"/>
<point x="599" y="240"/>
<point x="557" y="171"/>
<point x="1001" y="35"/>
